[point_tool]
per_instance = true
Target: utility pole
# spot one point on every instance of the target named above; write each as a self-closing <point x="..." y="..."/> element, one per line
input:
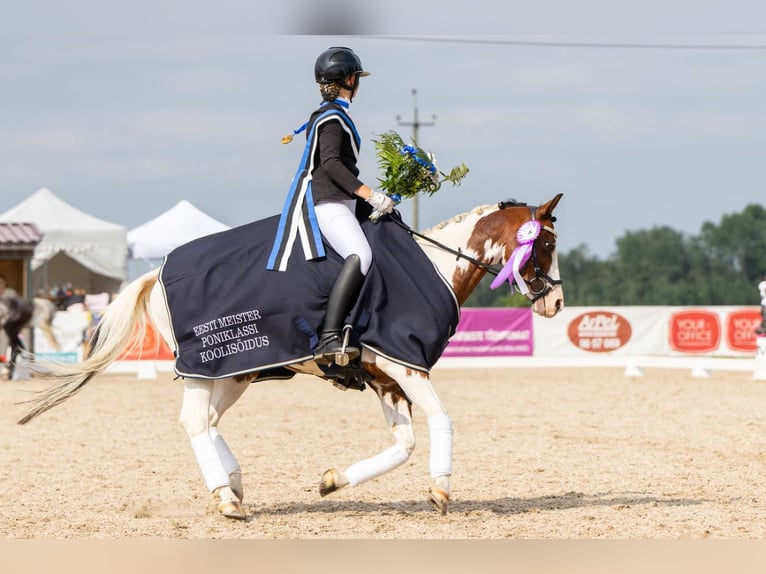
<point x="416" y="124"/>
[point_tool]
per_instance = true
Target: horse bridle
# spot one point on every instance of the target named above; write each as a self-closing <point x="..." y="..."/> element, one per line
<point x="539" y="286"/>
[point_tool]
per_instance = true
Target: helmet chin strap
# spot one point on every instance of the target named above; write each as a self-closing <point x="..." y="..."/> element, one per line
<point x="352" y="88"/>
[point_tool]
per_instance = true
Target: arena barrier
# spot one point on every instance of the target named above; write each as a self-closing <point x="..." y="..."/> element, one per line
<point x="699" y="339"/>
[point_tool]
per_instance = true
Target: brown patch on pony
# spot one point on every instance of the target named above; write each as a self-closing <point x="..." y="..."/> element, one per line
<point x="498" y="228"/>
<point x="383" y="384"/>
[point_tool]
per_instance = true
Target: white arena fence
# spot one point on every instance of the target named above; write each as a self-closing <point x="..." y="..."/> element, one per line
<point x="700" y="339"/>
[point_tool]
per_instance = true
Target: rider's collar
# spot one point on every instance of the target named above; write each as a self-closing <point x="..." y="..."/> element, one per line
<point x="345" y="102"/>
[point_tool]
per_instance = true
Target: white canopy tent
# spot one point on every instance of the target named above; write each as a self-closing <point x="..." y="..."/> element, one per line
<point x="76" y="247"/>
<point x="178" y="225"/>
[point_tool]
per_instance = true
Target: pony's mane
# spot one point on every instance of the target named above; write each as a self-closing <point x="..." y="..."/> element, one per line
<point x="480" y="210"/>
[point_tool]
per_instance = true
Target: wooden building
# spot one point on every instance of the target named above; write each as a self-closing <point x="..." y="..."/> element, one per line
<point x="17" y="245"/>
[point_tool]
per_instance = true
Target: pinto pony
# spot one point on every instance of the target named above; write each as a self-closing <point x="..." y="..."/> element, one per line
<point x="462" y="250"/>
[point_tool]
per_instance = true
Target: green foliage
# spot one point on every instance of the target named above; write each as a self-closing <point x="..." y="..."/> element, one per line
<point x="722" y="265"/>
<point x="483" y="296"/>
<point x="408" y="170"/>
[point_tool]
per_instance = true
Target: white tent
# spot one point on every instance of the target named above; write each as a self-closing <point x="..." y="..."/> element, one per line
<point x="76" y="247"/>
<point x="178" y="225"/>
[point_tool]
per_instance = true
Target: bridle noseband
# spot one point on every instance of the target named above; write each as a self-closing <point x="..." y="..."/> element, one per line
<point x="539" y="286"/>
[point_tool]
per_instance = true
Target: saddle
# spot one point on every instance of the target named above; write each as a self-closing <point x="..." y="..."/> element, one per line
<point x="232" y="316"/>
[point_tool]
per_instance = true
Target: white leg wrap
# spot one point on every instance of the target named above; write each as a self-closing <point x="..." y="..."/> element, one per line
<point x="367" y="469"/>
<point x="440" y="427"/>
<point x="209" y="461"/>
<point x="230" y="463"/>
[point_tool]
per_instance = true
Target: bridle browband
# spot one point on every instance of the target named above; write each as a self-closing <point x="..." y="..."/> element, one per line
<point x="547" y="282"/>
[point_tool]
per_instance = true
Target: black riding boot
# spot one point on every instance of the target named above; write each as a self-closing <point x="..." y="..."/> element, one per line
<point x="342" y="297"/>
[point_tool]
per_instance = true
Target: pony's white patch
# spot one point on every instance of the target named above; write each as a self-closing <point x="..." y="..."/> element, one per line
<point x="494" y="251"/>
<point x="554" y="270"/>
<point x="547" y="306"/>
<point x="464" y="264"/>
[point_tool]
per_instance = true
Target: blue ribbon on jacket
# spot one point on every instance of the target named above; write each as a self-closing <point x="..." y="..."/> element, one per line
<point x="298" y="218"/>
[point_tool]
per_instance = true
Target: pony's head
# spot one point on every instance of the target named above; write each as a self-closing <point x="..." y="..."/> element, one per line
<point x="523" y="239"/>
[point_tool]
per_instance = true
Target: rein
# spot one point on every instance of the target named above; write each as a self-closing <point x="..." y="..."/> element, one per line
<point x="458" y="253"/>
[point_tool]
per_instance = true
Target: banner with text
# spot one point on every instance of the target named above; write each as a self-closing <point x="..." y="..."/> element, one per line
<point x="492" y="333"/>
<point x="720" y="331"/>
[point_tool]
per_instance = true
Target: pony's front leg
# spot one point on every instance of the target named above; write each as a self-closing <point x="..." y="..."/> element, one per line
<point x="398" y="415"/>
<point x="195" y="420"/>
<point x="418" y="389"/>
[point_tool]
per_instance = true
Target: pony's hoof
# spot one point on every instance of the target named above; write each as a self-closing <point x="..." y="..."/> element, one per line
<point x="235" y="479"/>
<point x="232" y="509"/>
<point x="439" y="499"/>
<point x="329" y="482"/>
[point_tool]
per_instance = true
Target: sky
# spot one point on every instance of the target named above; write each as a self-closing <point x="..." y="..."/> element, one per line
<point x="641" y="114"/>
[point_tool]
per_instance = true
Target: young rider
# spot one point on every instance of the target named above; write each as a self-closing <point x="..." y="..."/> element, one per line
<point x="325" y="191"/>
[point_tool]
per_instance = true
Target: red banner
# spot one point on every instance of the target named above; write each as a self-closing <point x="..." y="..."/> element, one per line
<point x="740" y="329"/>
<point x="153" y="349"/>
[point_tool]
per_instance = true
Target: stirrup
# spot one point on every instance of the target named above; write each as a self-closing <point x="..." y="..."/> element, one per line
<point x="342" y="356"/>
<point x="345" y="354"/>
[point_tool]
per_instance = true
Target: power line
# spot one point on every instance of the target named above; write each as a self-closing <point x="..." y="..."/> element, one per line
<point x="572" y="44"/>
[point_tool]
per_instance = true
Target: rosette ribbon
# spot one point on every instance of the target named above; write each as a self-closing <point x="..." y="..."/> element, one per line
<point x="525" y="237"/>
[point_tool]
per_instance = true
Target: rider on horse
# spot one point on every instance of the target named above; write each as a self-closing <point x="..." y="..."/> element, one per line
<point x="324" y="194"/>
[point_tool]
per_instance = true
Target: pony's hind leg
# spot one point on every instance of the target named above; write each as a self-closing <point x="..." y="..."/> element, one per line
<point x="398" y="415"/>
<point x="226" y="392"/>
<point x="195" y="418"/>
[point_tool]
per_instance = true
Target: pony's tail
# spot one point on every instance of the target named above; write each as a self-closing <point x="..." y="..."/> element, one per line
<point x="123" y="322"/>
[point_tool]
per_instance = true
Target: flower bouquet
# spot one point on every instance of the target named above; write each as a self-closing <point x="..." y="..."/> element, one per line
<point x="408" y="170"/>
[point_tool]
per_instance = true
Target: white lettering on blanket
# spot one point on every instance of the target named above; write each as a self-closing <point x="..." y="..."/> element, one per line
<point x="219" y="341"/>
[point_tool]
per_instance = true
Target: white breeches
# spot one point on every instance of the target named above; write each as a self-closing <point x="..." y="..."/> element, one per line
<point x="342" y="230"/>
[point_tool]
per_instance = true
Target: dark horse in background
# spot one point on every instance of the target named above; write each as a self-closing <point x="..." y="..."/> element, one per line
<point x="17" y="314"/>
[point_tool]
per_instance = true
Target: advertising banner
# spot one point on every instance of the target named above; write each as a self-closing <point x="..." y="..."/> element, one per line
<point x="715" y="331"/>
<point x="493" y="332"/>
<point x="593" y="331"/>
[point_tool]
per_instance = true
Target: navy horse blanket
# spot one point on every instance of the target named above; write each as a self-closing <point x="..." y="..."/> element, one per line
<point x="230" y="315"/>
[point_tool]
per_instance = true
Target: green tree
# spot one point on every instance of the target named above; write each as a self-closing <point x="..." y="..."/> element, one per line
<point x="737" y="250"/>
<point x="652" y="267"/>
<point x="484" y="296"/>
<point x="586" y="280"/>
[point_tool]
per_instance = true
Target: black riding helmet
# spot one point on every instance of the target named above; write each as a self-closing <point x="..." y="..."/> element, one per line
<point x="336" y="64"/>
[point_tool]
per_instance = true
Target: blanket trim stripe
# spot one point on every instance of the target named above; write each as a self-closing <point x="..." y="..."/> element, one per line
<point x="305" y="359"/>
<point x="413" y="366"/>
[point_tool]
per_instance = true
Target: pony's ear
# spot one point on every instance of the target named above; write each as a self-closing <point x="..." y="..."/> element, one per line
<point x="546" y="210"/>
